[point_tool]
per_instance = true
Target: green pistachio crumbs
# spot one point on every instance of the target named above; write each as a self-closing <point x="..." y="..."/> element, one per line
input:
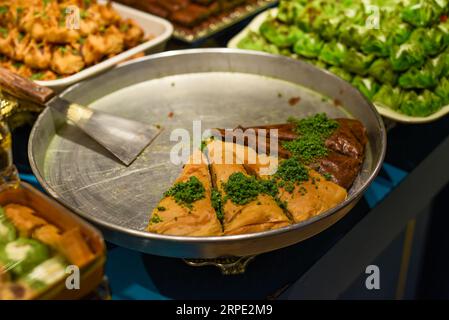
<point x="156" y="218"/>
<point x="186" y="193"/>
<point x="312" y="134"/>
<point x="242" y="189"/>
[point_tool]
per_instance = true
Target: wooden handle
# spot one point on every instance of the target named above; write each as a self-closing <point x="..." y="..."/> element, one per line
<point x="22" y="88"/>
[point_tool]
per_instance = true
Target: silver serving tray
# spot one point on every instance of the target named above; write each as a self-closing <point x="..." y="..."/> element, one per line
<point x="221" y="87"/>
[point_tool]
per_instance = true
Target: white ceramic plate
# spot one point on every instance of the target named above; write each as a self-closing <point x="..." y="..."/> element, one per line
<point x="383" y="110"/>
<point x="159" y="28"/>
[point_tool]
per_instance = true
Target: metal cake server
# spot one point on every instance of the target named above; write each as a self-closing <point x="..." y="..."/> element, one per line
<point x="124" y="138"/>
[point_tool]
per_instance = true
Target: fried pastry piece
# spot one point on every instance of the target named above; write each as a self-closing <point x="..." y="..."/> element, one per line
<point x="312" y="197"/>
<point x="23" y="218"/>
<point x="74" y="248"/>
<point x="133" y="33"/>
<point x="7" y="45"/>
<point x="20" y="46"/>
<point x="38" y="56"/>
<point x="88" y="26"/>
<point x="200" y="220"/>
<point x="93" y="49"/>
<point x="113" y="41"/>
<point x="61" y="35"/>
<point x="308" y="198"/>
<point x="48" y="234"/>
<point x="66" y="61"/>
<point x="261" y="214"/>
<point x="343" y="162"/>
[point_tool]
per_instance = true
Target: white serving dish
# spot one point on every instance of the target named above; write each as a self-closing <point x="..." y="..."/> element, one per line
<point x="160" y="28"/>
<point x="383" y="110"/>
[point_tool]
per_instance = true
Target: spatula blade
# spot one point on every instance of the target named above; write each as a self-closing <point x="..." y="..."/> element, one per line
<point x="124" y="138"/>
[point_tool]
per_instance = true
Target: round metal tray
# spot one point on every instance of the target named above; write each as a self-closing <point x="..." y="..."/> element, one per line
<point x="220" y="87"/>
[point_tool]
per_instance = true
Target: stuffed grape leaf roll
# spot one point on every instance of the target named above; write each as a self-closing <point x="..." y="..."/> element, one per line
<point x="279" y="34"/>
<point x="367" y="86"/>
<point x="254" y="41"/>
<point x="442" y="90"/>
<point x="333" y="53"/>
<point x="357" y="62"/>
<point x="309" y="45"/>
<point x="421" y="13"/>
<point x="388" y="96"/>
<point x="382" y="71"/>
<point x="420" y="105"/>
<point x="407" y="55"/>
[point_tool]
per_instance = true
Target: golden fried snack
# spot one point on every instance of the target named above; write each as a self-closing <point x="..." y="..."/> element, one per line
<point x="261" y="214"/>
<point x="38" y="56"/>
<point x="133" y="33"/>
<point x="23" y="218"/>
<point x="73" y="246"/>
<point x="93" y="49"/>
<point x="308" y="198"/>
<point x="66" y="61"/>
<point x="61" y="35"/>
<point x="196" y="219"/>
<point x="113" y="41"/>
<point x="21" y="44"/>
<point x="7" y="45"/>
<point x="32" y="32"/>
<point x="312" y="197"/>
<point x="49" y="235"/>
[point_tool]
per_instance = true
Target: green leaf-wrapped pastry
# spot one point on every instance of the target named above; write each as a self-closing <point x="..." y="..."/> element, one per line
<point x="352" y="35"/>
<point x="425" y="77"/>
<point x="442" y="90"/>
<point x="328" y="26"/>
<point x="357" y="62"/>
<point x="342" y="73"/>
<point x="382" y="71"/>
<point x="444" y="29"/>
<point x="388" y="96"/>
<point x="289" y="11"/>
<point x="333" y="53"/>
<point x="407" y="55"/>
<point x="308" y="45"/>
<point x="420" y="105"/>
<point x="22" y="255"/>
<point x="444" y="62"/>
<point x="367" y="86"/>
<point x="375" y="42"/>
<point x="280" y="34"/>
<point x="430" y="40"/>
<point x="421" y="13"/>
<point x="398" y="31"/>
<point x="254" y="41"/>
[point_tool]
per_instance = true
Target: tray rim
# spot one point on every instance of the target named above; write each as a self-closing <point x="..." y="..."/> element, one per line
<point x="383" y="110"/>
<point x="141" y="234"/>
